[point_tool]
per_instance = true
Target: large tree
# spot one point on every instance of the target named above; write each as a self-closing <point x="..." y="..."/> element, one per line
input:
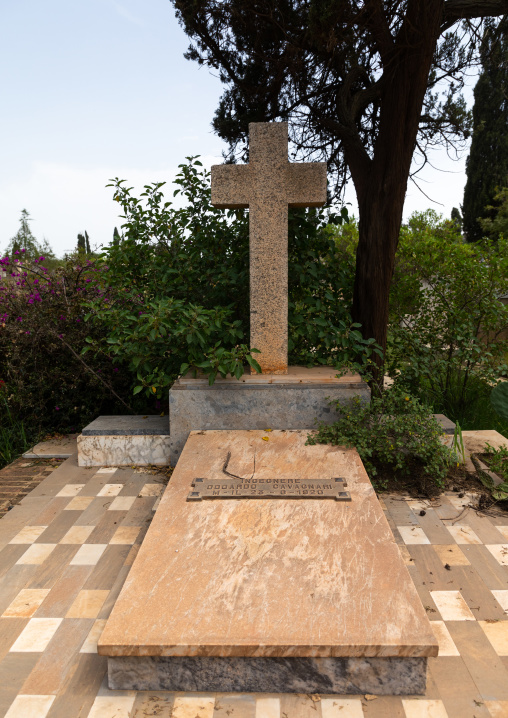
<point x="487" y="164"/>
<point x="361" y="82"/>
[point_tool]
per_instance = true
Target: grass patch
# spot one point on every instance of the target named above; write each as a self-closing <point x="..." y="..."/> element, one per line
<point x="15" y="439"/>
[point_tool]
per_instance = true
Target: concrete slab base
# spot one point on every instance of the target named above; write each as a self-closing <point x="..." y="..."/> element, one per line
<point x="125" y="441"/>
<point x="296" y="400"/>
<point x="379" y="676"/>
<point x="54" y="448"/>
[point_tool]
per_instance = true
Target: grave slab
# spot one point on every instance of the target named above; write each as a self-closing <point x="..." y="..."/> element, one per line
<point x="282" y="594"/>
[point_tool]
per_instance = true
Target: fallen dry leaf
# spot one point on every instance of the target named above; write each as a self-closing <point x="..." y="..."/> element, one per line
<point x="370" y="697"/>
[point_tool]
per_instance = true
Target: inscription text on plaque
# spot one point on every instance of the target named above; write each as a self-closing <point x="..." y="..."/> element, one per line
<point x="269" y="489"/>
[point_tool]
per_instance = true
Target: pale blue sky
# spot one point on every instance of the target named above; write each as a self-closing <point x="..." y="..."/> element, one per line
<point x="93" y="89"/>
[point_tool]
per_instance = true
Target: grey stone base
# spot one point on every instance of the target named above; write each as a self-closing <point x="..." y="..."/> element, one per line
<point x="195" y="406"/>
<point x="379" y="676"/>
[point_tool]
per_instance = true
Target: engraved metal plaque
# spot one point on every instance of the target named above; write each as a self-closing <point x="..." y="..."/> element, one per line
<point x="269" y="489"/>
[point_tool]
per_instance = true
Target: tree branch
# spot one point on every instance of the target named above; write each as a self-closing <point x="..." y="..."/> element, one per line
<point x="455" y="10"/>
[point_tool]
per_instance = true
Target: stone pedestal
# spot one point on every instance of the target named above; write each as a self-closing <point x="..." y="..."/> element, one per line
<point x="268" y="594"/>
<point x="258" y="401"/>
<point x="125" y="441"/>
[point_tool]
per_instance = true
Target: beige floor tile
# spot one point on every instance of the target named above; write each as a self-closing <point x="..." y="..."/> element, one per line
<point x="446" y="645"/>
<point x="125" y="535"/>
<point x="194" y="705"/>
<point x="90" y="643"/>
<point x="452" y="606"/>
<point x="110" y="490"/>
<point x="497" y="709"/>
<point x="88" y="554"/>
<point x="266" y="707"/>
<point x="70" y="490"/>
<point x="26" y="603"/>
<point x="28" y="534"/>
<point x="500" y="552"/>
<point x="30" y="707"/>
<point x="37" y="553"/>
<point x="424" y="708"/>
<point x="112" y="707"/>
<point x="341" y="707"/>
<point x="460" y="503"/>
<point x="413" y="535"/>
<point x="107" y="470"/>
<point x="501" y="597"/>
<point x="408" y="560"/>
<point x="77" y="534"/>
<point x="503" y="530"/>
<point x="152" y="490"/>
<point x="451" y="555"/>
<point x="79" y="503"/>
<point x="122" y="503"/>
<point x="497" y="633"/>
<point x="463" y="534"/>
<point x="36" y="635"/>
<point x="156" y="504"/>
<point x="87" y="604"/>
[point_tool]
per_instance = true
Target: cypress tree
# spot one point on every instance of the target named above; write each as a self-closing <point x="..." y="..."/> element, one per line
<point x="487" y="164"/>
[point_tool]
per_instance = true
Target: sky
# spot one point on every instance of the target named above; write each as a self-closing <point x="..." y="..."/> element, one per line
<point x="96" y="89"/>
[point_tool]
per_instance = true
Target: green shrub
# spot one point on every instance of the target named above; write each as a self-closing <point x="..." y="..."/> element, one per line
<point x="179" y="283"/>
<point x="395" y="431"/>
<point x="47" y="384"/>
<point x="448" y="326"/>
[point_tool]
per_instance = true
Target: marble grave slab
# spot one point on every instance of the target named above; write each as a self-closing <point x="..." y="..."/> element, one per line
<point x="273" y="594"/>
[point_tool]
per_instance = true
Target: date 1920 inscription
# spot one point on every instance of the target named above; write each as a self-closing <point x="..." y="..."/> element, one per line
<point x="269" y="489"/>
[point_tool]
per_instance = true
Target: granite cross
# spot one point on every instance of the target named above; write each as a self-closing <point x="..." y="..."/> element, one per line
<point x="267" y="186"/>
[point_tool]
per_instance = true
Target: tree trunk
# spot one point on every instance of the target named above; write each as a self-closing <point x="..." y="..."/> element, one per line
<point x="381" y="186"/>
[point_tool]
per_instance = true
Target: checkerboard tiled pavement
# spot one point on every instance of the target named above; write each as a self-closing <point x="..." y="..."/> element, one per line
<point x="65" y="552"/>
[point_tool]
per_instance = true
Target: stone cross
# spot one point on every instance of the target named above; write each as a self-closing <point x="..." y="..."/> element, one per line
<point x="267" y="186"/>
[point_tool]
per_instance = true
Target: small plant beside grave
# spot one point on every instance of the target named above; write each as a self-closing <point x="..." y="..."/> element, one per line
<point x="394" y="434"/>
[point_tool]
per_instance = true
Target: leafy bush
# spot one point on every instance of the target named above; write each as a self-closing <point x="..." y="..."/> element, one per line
<point x="42" y="332"/>
<point x="179" y="281"/>
<point x="448" y="325"/>
<point x="395" y="431"/>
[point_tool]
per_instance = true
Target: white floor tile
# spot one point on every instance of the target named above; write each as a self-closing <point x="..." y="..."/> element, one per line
<point x="37" y="553"/>
<point x="36" y="635"/>
<point x="446" y="645"/>
<point x="413" y="535"/>
<point x="460" y="503"/>
<point x="501" y="597"/>
<point x="463" y="534"/>
<point x="122" y="503"/>
<point x="28" y="534"/>
<point x="112" y="707"/>
<point x="424" y="708"/>
<point x="70" y="490"/>
<point x="503" y="530"/>
<point x="341" y="707"/>
<point x="110" y="490"/>
<point x="497" y="709"/>
<point x="152" y="490"/>
<point x="26" y="603"/>
<point x="156" y="504"/>
<point x="77" y="534"/>
<point x="500" y="552"/>
<point x="30" y="707"/>
<point x="107" y="470"/>
<point x="452" y="606"/>
<point x="90" y="643"/>
<point x="88" y="554"/>
<point x="267" y="707"/>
